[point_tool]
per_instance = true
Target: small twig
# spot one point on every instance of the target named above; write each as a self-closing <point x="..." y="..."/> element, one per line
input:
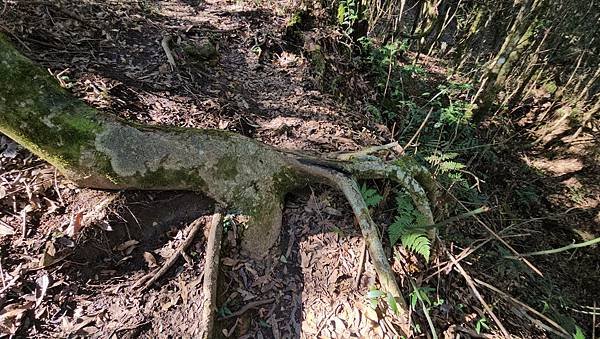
<point x="2" y="28"/>
<point x="361" y="264"/>
<point x="248" y="307"/>
<point x="468" y="331"/>
<point x="57" y="189"/>
<point x="2" y="276"/>
<point x="165" y="45"/>
<point x="485" y="305"/>
<point x="497" y="237"/>
<point x="211" y="272"/>
<point x="525" y="306"/>
<point x="463" y="255"/>
<point x="465" y="215"/>
<point x="537" y="322"/>
<point x="152" y="277"/>
<point x="594" y="323"/>
<point x="4" y="8"/>
<point x="425" y="310"/>
<point x="414" y="137"/>
<point x="558" y="250"/>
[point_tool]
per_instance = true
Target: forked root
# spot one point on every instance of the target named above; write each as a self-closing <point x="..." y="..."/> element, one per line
<point x="350" y="189"/>
<point x="101" y="151"/>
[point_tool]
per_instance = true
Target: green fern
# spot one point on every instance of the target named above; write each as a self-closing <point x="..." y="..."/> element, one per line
<point x="370" y="195"/>
<point x="445" y="163"/>
<point x="450" y="166"/>
<point x="417" y="241"/>
<point x="438" y="157"/>
<point x="406" y="228"/>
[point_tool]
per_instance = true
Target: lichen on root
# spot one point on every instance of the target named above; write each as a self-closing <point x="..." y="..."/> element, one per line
<point x="97" y="150"/>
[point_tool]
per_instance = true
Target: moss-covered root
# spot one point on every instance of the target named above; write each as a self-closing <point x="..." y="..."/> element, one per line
<point x="414" y="178"/>
<point x="96" y="150"/>
<point x="264" y="227"/>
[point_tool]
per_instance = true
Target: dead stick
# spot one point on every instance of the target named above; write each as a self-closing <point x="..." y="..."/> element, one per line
<point x="361" y="264"/>
<point x="211" y="273"/>
<point x="248" y="307"/>
<point x="485" y="305"/>
<point x="165" y="45"/>
<point x="564" y="333"/>
<point x="153" y="277"/>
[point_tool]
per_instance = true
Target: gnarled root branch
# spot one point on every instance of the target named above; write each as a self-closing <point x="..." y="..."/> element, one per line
<point x="96" y="150"/>
<point x="349" y="187"/>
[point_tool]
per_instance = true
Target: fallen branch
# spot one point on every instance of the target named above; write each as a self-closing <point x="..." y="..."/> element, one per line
<point x="557" y="250"/>
<point x="152" y="277"/>
<point x="101" y="151"/>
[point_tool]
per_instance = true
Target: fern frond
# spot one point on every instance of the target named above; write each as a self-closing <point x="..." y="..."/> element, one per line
<point x="450" y="166"/>
<point x="438" y="157"/>
<point x="406" y="228"/>
<point x="417" y="242"/>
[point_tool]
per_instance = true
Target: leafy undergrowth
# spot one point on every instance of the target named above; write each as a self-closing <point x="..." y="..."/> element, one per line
<point x="538" y="192"/>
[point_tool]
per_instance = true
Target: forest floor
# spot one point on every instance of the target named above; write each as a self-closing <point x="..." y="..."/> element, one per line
<point x="69" y="256"/>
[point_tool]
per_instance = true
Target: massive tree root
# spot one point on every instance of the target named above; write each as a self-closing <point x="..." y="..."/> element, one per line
<point x="101" y="151"/>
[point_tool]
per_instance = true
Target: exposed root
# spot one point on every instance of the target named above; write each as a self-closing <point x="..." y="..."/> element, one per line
<point x="211" y="272"/>
<point x="165" y="45"/>
<point x="96" y="150"/>
<point x="369" y="232"/>
<point x="152" y="277"/>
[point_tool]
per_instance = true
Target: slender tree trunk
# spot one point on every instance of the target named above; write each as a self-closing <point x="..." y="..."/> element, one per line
<point x="504" y="61"/>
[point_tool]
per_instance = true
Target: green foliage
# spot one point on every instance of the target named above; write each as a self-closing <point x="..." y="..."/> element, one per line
<point x="406" y="228"/>
<point x="418" y="242"/>
<point x="444" y="162"/>
<point x="420" y="293"/>
<point x="370" y="195"/>
<point x="347" y="14"/>
<point x="578" y="333"/>
<point x="449" y="170"/>
<point x="415" y="70"/>
<point x="457" y="113"/>
<point x="408" y="223"/>
<point x="481" y="324"/>
<point x="374" y="296"/>
<point x="224" y="311"/>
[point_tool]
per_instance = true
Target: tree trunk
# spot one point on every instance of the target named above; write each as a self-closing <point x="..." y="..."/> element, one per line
<point x="518" y="38"/>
